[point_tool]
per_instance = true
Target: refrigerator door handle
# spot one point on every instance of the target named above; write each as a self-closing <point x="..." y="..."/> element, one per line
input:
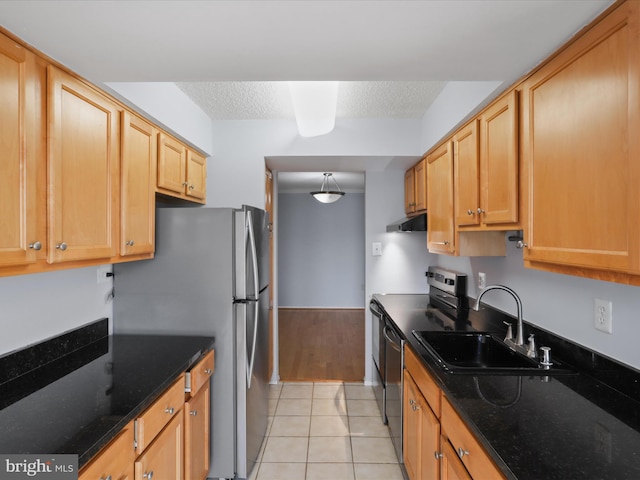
<point x="254" y="254"/>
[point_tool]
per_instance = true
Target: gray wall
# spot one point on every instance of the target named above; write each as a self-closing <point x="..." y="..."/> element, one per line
<point x="320" y="251"/>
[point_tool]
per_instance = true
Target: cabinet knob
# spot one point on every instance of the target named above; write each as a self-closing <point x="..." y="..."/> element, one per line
<point x="208" y="371"/>
<point x="35" y="246"/>
<point x="193" y="413"/>
<point x="185" y="184"/>
<point x="438" y="455"/>
<point x="130" y="243"/>
<point x="521" y="244"/>
<point x="148" y="475"/>
<point x="61" y="246"/>
<point x="480" y="211"/>
<point x="470" y="212"/>
<point x="462" y="452"/>
<point x="106" y="478"/>
<point x="169" y="410"/>
<point x="191" y="187"/>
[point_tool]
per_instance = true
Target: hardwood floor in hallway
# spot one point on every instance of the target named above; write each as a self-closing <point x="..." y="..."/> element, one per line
<point x="321" y="344"/>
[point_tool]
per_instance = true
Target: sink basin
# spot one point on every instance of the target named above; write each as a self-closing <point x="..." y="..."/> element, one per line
<point x="476" y="353"/>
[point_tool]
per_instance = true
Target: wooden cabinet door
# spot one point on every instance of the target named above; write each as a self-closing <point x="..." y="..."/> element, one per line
<point x="172" y="164"/>
<point x="20" y="116"/>
<point x="196" y="175"/>
<point x="164" y="456"/>
<point x="412" y="428"/>
<point x="409" y="191"/>
<point x="450" y="465"/>
<point x="499" y="161"/>
<point x="115" y="461"/>
<point x="196" y="435"/>
<point x="581" y="150"/>
<point x="467" y="175"/>
<point x="420" y="181"/>
<point x="440" y="231"/>
<point x="83" y="160"/>
<point x="138" y="180"/>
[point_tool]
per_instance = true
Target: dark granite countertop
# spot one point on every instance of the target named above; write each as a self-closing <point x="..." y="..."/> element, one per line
<point x="567" y="427"/>
<point x="73" y="394"/>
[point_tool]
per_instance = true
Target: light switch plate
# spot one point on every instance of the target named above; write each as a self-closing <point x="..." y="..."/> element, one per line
<point x="376" y="249"/>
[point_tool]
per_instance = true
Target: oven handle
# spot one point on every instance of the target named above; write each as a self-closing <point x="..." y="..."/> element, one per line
<point x="396" y="346"/>
<point x="373" y="307"/>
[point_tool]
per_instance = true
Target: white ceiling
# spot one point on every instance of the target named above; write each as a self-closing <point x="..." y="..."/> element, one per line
<point x="230" y="56"/>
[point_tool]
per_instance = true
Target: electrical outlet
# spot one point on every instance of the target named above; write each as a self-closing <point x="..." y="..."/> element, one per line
<point x="602" y="315"/>
<point x="482" y="280"/>
<point x="376" y="249"/>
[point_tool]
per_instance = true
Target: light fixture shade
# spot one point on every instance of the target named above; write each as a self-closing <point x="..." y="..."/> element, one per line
<point x="314" y="104"/>
<point x="324" y="195"/>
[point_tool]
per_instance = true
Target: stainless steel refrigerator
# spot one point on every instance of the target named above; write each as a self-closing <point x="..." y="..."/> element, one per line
<point x="210" y="276"/>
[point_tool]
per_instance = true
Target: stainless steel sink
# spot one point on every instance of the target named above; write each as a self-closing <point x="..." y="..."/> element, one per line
<point x="476" y="353"/>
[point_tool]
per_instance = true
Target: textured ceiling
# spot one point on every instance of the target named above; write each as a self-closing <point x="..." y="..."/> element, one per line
<point x="269" y="100"/>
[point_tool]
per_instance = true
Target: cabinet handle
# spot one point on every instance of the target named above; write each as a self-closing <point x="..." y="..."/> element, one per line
<point x="61" y="246"/>
<point x="480" y="211"/>
<point x="169" y="410"/>
<point x="462" y="452"/>
<point x="193" y="413"/>
<point x="130" y="243"/>
<point x="521" y="244"/>
<point x="446" y="242"/>
<point x="208" y="371"/>
<point x="470" y="212"/>
<point x="107" y="478"/>
<point x="438" y="455"/>
<point x="148" y="475"/>
<point x="35" y="246"/>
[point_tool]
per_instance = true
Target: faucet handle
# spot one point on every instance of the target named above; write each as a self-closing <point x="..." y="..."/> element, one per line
<point x="546" y="358"/>
<point x="531" y="347"/>
<point x="509" y="334"/>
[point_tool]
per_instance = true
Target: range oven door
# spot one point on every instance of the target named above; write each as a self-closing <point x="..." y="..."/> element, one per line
<point x="378" y="355"/>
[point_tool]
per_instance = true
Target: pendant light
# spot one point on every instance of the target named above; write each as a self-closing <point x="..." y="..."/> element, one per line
<point x="325" y="195"/>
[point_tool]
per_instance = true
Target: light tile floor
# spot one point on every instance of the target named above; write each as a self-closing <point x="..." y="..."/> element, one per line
<point x="325" y="431"/>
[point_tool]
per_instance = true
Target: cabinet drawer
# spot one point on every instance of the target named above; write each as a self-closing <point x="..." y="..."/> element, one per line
<point x="154" y="418"/>
<point x="466" y="446"/>
<point x="114" y="461"/>
<point x="423" y="380"/>
<point x="200" y="373"/>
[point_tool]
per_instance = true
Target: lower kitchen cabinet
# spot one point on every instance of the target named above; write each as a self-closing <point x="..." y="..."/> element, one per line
<point x="437" y="442"/>
<point x="163" y="459"/>
<point x="167" y="441"/>
<point x="421" y="434"/>
<point x="115" y="461"/>
<point x="197" y="411"/>
<point x="451" y="467"/>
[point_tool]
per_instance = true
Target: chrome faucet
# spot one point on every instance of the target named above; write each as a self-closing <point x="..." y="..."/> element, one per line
<point x="518" y="343"/>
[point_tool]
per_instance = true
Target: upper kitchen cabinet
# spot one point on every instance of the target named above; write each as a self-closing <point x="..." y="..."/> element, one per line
<point x="486" y="167"/>
<point x="440" y="230"/>
<point x="581" y="114"/>
<point x="415" y="188"/>
<point x="182" y="172"/>
<point x="138" y="180"/>
<point x="22" y="126"/>
<point x="83" y="166"/>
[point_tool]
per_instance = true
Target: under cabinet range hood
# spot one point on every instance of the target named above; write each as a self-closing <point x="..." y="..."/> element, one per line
<point x="409" y="224"/>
